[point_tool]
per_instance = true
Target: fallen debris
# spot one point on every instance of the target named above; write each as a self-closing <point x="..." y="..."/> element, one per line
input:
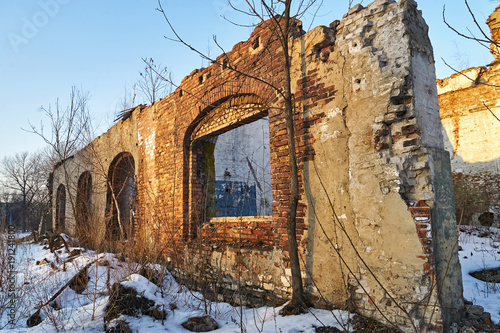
<point x="120" y="326"/>
<point x="126" y="301"/>
<point x="200" y="324"/>
<point x="42" y="262"/>
<point x="35" y="318"/>
<point x="79" y="282"/>
<point x="488" y="275"/>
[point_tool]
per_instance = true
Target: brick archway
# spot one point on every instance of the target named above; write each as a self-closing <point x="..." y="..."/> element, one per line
<point x="199" y="143"/>
<point x="60" y="222"/>
<point x="83" y="205"/>
<point x="120" y="199"/>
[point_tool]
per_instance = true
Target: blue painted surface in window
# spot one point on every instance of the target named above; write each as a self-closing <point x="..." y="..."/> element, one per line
<point x="235" y="198"/>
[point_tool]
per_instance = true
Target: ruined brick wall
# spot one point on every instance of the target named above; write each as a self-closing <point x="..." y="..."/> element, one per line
<point x="95" y="158"/>
<point x="375" y="224"/>
<point x="494" y="24"/>
<point x="380" y="145"/>
<point x="469" y="111"/>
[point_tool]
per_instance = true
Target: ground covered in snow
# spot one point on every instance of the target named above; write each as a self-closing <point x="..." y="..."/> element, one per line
<point x="37" y="281"/>
<point x="41" y="274"/>
<point x="480" y="250"/>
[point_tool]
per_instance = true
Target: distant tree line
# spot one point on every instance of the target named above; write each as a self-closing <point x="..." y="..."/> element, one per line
<point x="24" y="191"/>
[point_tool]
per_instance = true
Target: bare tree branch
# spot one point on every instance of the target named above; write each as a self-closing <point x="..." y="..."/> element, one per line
<point x="494" y="115"/>
<point x="151" y="82"/>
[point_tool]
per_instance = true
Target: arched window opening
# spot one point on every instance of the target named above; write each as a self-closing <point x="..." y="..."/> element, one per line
<point x="83" y="206"/>
<point x="60" y="224"/>
<point x="120" y="203"/>
<point x="227" y="182"/>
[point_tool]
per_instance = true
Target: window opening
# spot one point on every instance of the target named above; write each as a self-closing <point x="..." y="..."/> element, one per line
<point x="237" y="172"/>
<point x="60" y="208"/>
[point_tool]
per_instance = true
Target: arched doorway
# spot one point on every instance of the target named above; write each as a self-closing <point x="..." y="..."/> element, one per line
<point x="120" y="201"/>
<point x="60" y="224"/>
<point x="84" y="207"/>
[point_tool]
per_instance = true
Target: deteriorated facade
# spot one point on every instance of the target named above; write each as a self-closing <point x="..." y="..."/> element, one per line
<point x="469" y="104"/>
<point x="376" y="226"/>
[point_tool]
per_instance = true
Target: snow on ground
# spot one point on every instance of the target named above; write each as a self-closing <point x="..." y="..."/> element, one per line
<point x="480" y="250"/>
<point x="85" y="312"/>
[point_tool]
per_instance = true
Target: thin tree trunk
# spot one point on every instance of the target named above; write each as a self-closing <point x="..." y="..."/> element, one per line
<point x="297" y="304"/>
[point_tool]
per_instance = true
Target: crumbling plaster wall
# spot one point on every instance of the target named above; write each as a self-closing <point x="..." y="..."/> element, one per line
<point x="379" y="152"/>
<point x="469" y="108"/>
<point x="95" y="158"/>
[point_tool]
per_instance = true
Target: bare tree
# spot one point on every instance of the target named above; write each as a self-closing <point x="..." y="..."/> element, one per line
<point x="280" y="17"/>
<point x="128" y="100"/>
<point x="483" y="38"/>
<point x="69" y="125"/>
<point x="151" y="82"/>
<point x="24" y="175"/>
<point x="69" y="131"/>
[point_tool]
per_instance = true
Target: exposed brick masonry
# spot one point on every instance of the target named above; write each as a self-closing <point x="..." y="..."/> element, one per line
<point x="370" y="159"/>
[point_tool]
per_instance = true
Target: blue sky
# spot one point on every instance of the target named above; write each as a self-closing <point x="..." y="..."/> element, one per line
<point x="48" y="46"/>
